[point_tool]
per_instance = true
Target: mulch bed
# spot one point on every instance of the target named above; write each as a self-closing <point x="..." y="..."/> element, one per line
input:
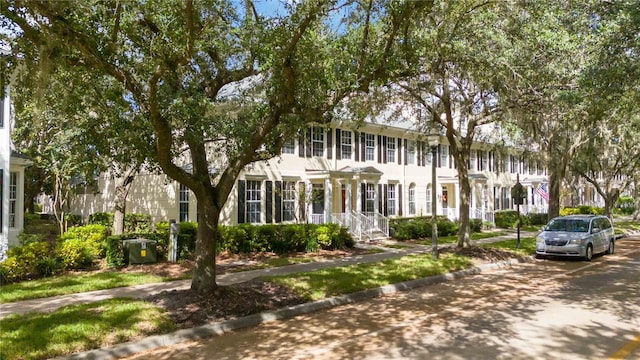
<point x="189" y="308"/>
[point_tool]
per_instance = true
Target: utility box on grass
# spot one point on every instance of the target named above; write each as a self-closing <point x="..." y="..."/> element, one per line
<point x="139" y="251"/>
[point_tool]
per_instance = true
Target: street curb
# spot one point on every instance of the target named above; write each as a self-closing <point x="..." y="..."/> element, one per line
<point x="219" y="328"/>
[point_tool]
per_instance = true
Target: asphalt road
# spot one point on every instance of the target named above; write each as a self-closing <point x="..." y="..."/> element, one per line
<point x="546" y="309"/>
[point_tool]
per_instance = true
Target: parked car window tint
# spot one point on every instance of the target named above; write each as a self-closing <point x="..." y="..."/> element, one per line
<point x="569" y="225"/>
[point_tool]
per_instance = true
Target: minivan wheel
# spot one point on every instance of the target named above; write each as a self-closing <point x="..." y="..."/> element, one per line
<point x="588" y="255"/>
<point x="611" y="248"/>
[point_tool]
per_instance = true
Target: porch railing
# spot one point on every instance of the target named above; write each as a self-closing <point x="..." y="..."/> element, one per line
<point x="450" y="213"/>
<point x="317" y="219"/>
<point x="482" y="214"/>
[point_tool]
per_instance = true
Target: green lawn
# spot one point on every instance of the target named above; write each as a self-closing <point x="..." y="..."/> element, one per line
<point x="342" y="280"/>
<point x="70" y="284"/>
<point x="79" y="328"/>
<point x="474" y="236"/>
<point x="82" y="327"/>
<point x="623" y="226"/>
<point x="527" y="245"/>
<point x="274" y="262"/>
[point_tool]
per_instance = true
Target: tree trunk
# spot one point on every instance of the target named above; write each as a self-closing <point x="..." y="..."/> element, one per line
<point x="555" y="178"/>
<point x="464" y="232"/>
<point x="204" y="273"/>
<point x="610" y="199"/>
<point x="123" y="185"/>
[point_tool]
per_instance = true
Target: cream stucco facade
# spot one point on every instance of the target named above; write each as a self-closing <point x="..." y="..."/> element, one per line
<point x="329" y="172"/>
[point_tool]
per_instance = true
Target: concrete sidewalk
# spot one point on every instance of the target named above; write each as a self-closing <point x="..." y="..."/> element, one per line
<point x="141" y="291"/>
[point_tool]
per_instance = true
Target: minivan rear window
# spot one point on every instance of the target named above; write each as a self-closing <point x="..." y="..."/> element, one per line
<point x="568" y="225"/>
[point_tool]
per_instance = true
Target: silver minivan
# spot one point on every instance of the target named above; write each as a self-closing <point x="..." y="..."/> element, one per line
<point x="576" y="236"/>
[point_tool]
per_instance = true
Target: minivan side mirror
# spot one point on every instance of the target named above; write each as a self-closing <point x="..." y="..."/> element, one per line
<point x="595" y="230"/>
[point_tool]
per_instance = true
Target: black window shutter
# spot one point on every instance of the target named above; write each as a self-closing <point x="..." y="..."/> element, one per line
<point x="380" y="198"/>
<point x="338" y="144"/>
<point x="329" y="143"/>
<point x="363" y="197"/>
<point x="241" y="194"/>
<point x="269" y="201"/>
<point x="278" y="199"/>
<point x="399" y="151"/>
<point x="420" y="152"/>
<point x="384" y="150"/>
<point x="405" y="151"/>
<point x="301" y="151"/>
<point x="379" y="148"/>
<point x="356" y="138"/>
<point x="438" y="155"/>
<point x="363" y="140"/>
<point x="307" y="143"/>
<point x="399" y="195"/>
<point x="386" y="200"/>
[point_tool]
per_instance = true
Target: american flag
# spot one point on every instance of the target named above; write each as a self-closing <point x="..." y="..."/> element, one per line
<point x="542" y="191"/>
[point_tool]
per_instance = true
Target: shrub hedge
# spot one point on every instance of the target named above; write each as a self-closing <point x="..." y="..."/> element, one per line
<point x="28" y="261"/>
<point x="243" y="238"/>
<point x="283" y="238"/>
<point x="509" y="219"/>
<point x="420" y="227"/>
<point x="583" y="209"/>
<point x="625" y="205"/>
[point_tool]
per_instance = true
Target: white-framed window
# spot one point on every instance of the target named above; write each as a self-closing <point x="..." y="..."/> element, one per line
<point x="346" y="144"/>
<point x="183" y="203"/>
<point x="317" y="199"/>
<point x="427" y="155"/>
<point x="516" y="165"/>
<point x="412" y="199"/>
<point x="253" y="201"/>
<point x="370" y="147"/>
<point x="370" y="197"/>
<point x="391" y="199"/>
<point x="13" y="199"/>
<point x="289" y="147"/>
<point x="444" y="155"/>
<point x="428" y="204"/>
<point x="472" y="160"/>
<point x="391" y="149"/>
<point x="506" y="201"/>
<point x="317" y="141"/>
<point x="411" y="152"/>
<point x="288" y="200"/>
<point x="506" y="166"/>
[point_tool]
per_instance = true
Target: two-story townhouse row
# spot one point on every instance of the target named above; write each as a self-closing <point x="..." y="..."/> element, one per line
<point x="12" y="165"/>
<point x="338" y="174"/>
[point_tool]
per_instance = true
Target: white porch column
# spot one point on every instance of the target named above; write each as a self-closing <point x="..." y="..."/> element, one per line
<point x="376" y="196"/>
<point x="347" y="202"/>
<point x="328" y="200"/>
<point x="358" y="208"/>
<point x="309" y="200"/>
<point x="456" y="190"/>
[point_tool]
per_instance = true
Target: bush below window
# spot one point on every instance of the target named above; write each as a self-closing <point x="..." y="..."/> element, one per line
<point x="420" y="227"/>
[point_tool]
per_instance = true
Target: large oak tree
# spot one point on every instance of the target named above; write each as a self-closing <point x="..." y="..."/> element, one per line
<point x="220" y="84"/>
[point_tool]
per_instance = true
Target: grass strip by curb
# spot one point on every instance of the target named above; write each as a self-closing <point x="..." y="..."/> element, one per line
<point x="71" y="284"/>
<point x="79" y="327"/>
<point x="329" y="282"/>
